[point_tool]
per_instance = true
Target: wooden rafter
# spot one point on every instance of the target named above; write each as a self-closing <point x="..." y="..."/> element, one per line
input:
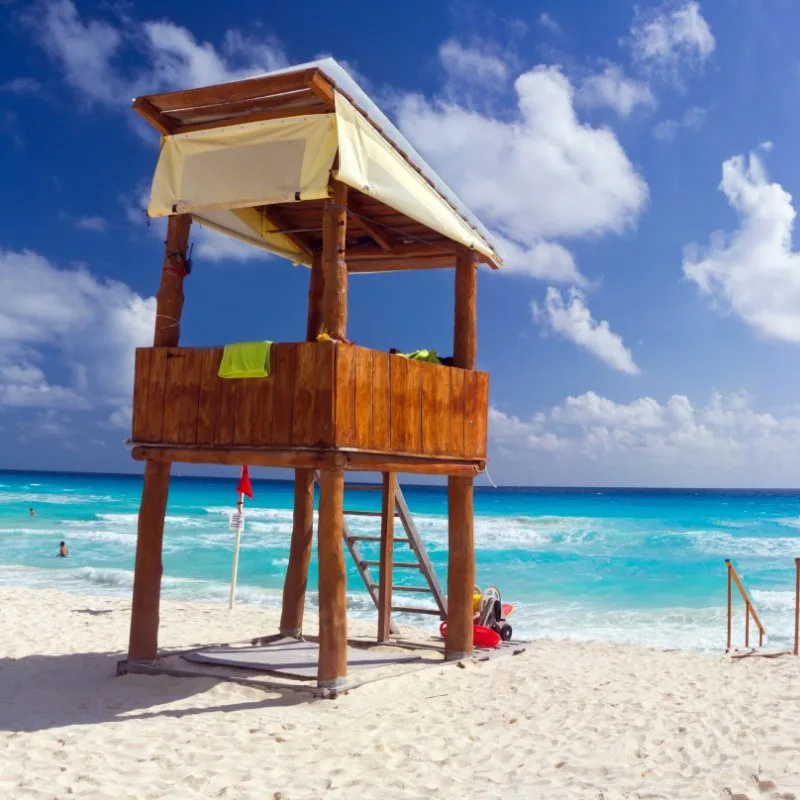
<point x="283" y="226"/>
<point x="380" y="234"/>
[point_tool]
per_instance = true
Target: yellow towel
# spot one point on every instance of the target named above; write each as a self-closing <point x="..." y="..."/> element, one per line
<point x="245" y="360"/>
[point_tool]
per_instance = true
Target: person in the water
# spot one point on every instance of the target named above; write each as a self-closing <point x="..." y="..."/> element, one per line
<point x="32" y="512"/>
<point x="63" y="550"/>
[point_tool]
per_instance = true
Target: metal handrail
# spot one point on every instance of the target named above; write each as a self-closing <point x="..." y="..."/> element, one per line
<point x="733" y="577"/>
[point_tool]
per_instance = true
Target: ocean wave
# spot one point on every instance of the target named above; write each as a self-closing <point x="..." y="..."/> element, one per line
<point x="724" y="544"/>
<point x="766" y="600"/>
<point x="788" y="522"/>
<point x="55" y="499"/>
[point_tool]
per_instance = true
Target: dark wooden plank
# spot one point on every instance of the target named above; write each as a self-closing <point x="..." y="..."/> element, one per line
<point x="245" y="410"/>
<point x="190" y="394"/>
<point x="154" y="419"/>
<point x="324" y="420"/>
<point x="208" y="396"/>
<point x="363" y="398"/>
<point x="442" y="428"/>
<point x="305" y="382"/>
<point x="173" y="394"/>
<point x="431" y="418"/>
<point x="413" y="409"/>
<point x="381" y="397"/>
<point x="282" y="359"/>
<point x="457" y="412"/>
<point x="141" y="385"/>
<point x="227" y="401"/>
<point x="481" y="413"/>
<point x="398" y="371"/>
<point x="470" y="412"/>
<point x="345" y="397"/>
<point x="261" y="421"/>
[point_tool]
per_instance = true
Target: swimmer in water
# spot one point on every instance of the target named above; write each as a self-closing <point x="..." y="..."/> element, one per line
<point x="32" y="512"/>
<point x="63" y="550"/>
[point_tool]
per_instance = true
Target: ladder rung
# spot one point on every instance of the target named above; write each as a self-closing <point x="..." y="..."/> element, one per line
<point x="360" y="538"/>
<point x="398" y="564"/>
<point x="364" y="513"/>
<point x="364" y="487"/>
<point x="423" y="589"/>
<point x="413" y="610"/>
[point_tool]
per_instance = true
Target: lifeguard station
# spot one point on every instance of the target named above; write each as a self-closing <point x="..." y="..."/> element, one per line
<point x="301" y="163"/>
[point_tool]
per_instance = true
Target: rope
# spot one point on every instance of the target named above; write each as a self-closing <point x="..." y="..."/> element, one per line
<point x="494" y="485"/>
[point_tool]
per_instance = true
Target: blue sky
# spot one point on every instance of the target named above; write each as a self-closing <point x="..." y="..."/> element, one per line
<point x="637" y="161"/>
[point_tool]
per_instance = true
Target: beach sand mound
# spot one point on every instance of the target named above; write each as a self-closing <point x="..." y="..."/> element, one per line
<point x="562" y="720"/>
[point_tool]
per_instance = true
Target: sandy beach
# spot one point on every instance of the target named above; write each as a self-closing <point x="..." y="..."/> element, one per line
<point x="562" y="720"/>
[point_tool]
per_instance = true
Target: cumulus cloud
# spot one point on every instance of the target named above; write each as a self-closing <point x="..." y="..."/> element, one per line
<point x="753" y="272"/>
<point x="668" y="39"/>
<point x="573" y="321"/>
<point x="613" y="89"/>
<point x="536" y="175"/>
<point x="89" y="52"/>
<point x="66" y="337"/>
<point x="592" y="440"/>
<point x="471" y="63"/>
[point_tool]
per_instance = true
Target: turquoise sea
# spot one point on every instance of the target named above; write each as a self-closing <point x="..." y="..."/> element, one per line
<point x="642" y="566"/>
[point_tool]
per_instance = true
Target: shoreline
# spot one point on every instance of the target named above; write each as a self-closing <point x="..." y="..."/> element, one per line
<point x="562" y="720"/>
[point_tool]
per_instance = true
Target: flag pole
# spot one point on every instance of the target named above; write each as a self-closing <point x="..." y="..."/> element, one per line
<point x="235" y="570"/>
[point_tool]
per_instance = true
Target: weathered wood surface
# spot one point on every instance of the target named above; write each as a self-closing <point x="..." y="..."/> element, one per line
<point x="318" y="395"/>
<point x="386" y="557"/>
<point x="460" y="568"/>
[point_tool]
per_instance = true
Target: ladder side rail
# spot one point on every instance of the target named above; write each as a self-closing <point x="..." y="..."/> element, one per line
<point x="415" y="543"/>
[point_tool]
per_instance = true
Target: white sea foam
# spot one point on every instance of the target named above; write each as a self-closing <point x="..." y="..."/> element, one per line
<point x="789" y="522"/>
<point x="56" y="499"/>
<point x="717" y="543"/>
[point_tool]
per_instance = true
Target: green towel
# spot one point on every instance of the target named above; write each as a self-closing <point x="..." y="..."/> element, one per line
<point x="423" y="355"/>
<point x="245" y="360"/>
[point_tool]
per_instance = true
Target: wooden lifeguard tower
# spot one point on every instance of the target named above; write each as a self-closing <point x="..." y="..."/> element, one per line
<point x="300" y="162"/>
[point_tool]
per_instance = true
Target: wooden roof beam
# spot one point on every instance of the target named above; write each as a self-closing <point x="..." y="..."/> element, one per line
<point x="385" y="264"/>
<point x="283" y="226"/>
<point x="143" y="107"/>
<point x="379" y="234"/>
<point x="418" y="250"/>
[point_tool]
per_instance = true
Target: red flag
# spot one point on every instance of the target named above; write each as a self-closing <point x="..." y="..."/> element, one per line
<point x="244" y="486"/>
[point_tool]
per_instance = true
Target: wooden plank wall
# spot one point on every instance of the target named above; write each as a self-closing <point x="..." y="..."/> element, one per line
<point x="318" y="395"/>
<point x="179" y="399"/>
<point x="387" y="403"/>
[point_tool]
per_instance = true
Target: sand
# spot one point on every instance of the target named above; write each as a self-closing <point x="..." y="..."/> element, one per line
<point x="563" y="720"/>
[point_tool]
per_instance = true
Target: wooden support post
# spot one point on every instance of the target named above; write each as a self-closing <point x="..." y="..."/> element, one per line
<point x="294" y="587"/>
<point x="316" y="288"/>
<point x="460" y="523"/>
<point x="460" y="568"/>
<point x="334" y="232"/>
<point x="730" y="602"/>
<point x="143" y="643"/>
<point x="747" y="624"/>
<point x="386" y="557"/>
<point x="332" y="667"/>
<point x="797" y="606"/>
<point x="465" y="341"/>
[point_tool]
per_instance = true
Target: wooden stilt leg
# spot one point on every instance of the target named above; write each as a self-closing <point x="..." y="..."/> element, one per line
<point x="143" y="643"/>
<point x="332" y="582"/>
<point x="386" y="558"/>
<point x="294" y="587"/>
<point x="460" y="569"/>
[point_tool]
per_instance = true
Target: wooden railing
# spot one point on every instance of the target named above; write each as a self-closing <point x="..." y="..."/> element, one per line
<point x="318" y="395"/>
<point x="733" y="577"/>
<point x="797" y="606"/>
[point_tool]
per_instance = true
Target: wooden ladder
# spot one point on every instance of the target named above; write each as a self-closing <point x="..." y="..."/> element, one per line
<point x="381" y="590"/>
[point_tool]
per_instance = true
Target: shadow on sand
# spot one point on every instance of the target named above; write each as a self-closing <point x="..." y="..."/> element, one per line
<point x="41" y="692"/>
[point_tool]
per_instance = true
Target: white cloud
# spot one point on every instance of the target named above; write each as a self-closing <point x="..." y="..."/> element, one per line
<point x="471" y="63"/>
<point x="547" y="22"/>
<point x="611" y="88"/>
<point x="574" y="322"/>
<point x="22" y="85"/>
<point x="547" y="261"/>
<point x="534" y="176"/>
<point x="693" y="118"/>
<point x="754" y="271"/>
<point x="92" y="326"/>
<point x="88" y="52"/>
<point x="91" y="222"/>
<point x="592" y="440"/>
<point x="667" y="39"/>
